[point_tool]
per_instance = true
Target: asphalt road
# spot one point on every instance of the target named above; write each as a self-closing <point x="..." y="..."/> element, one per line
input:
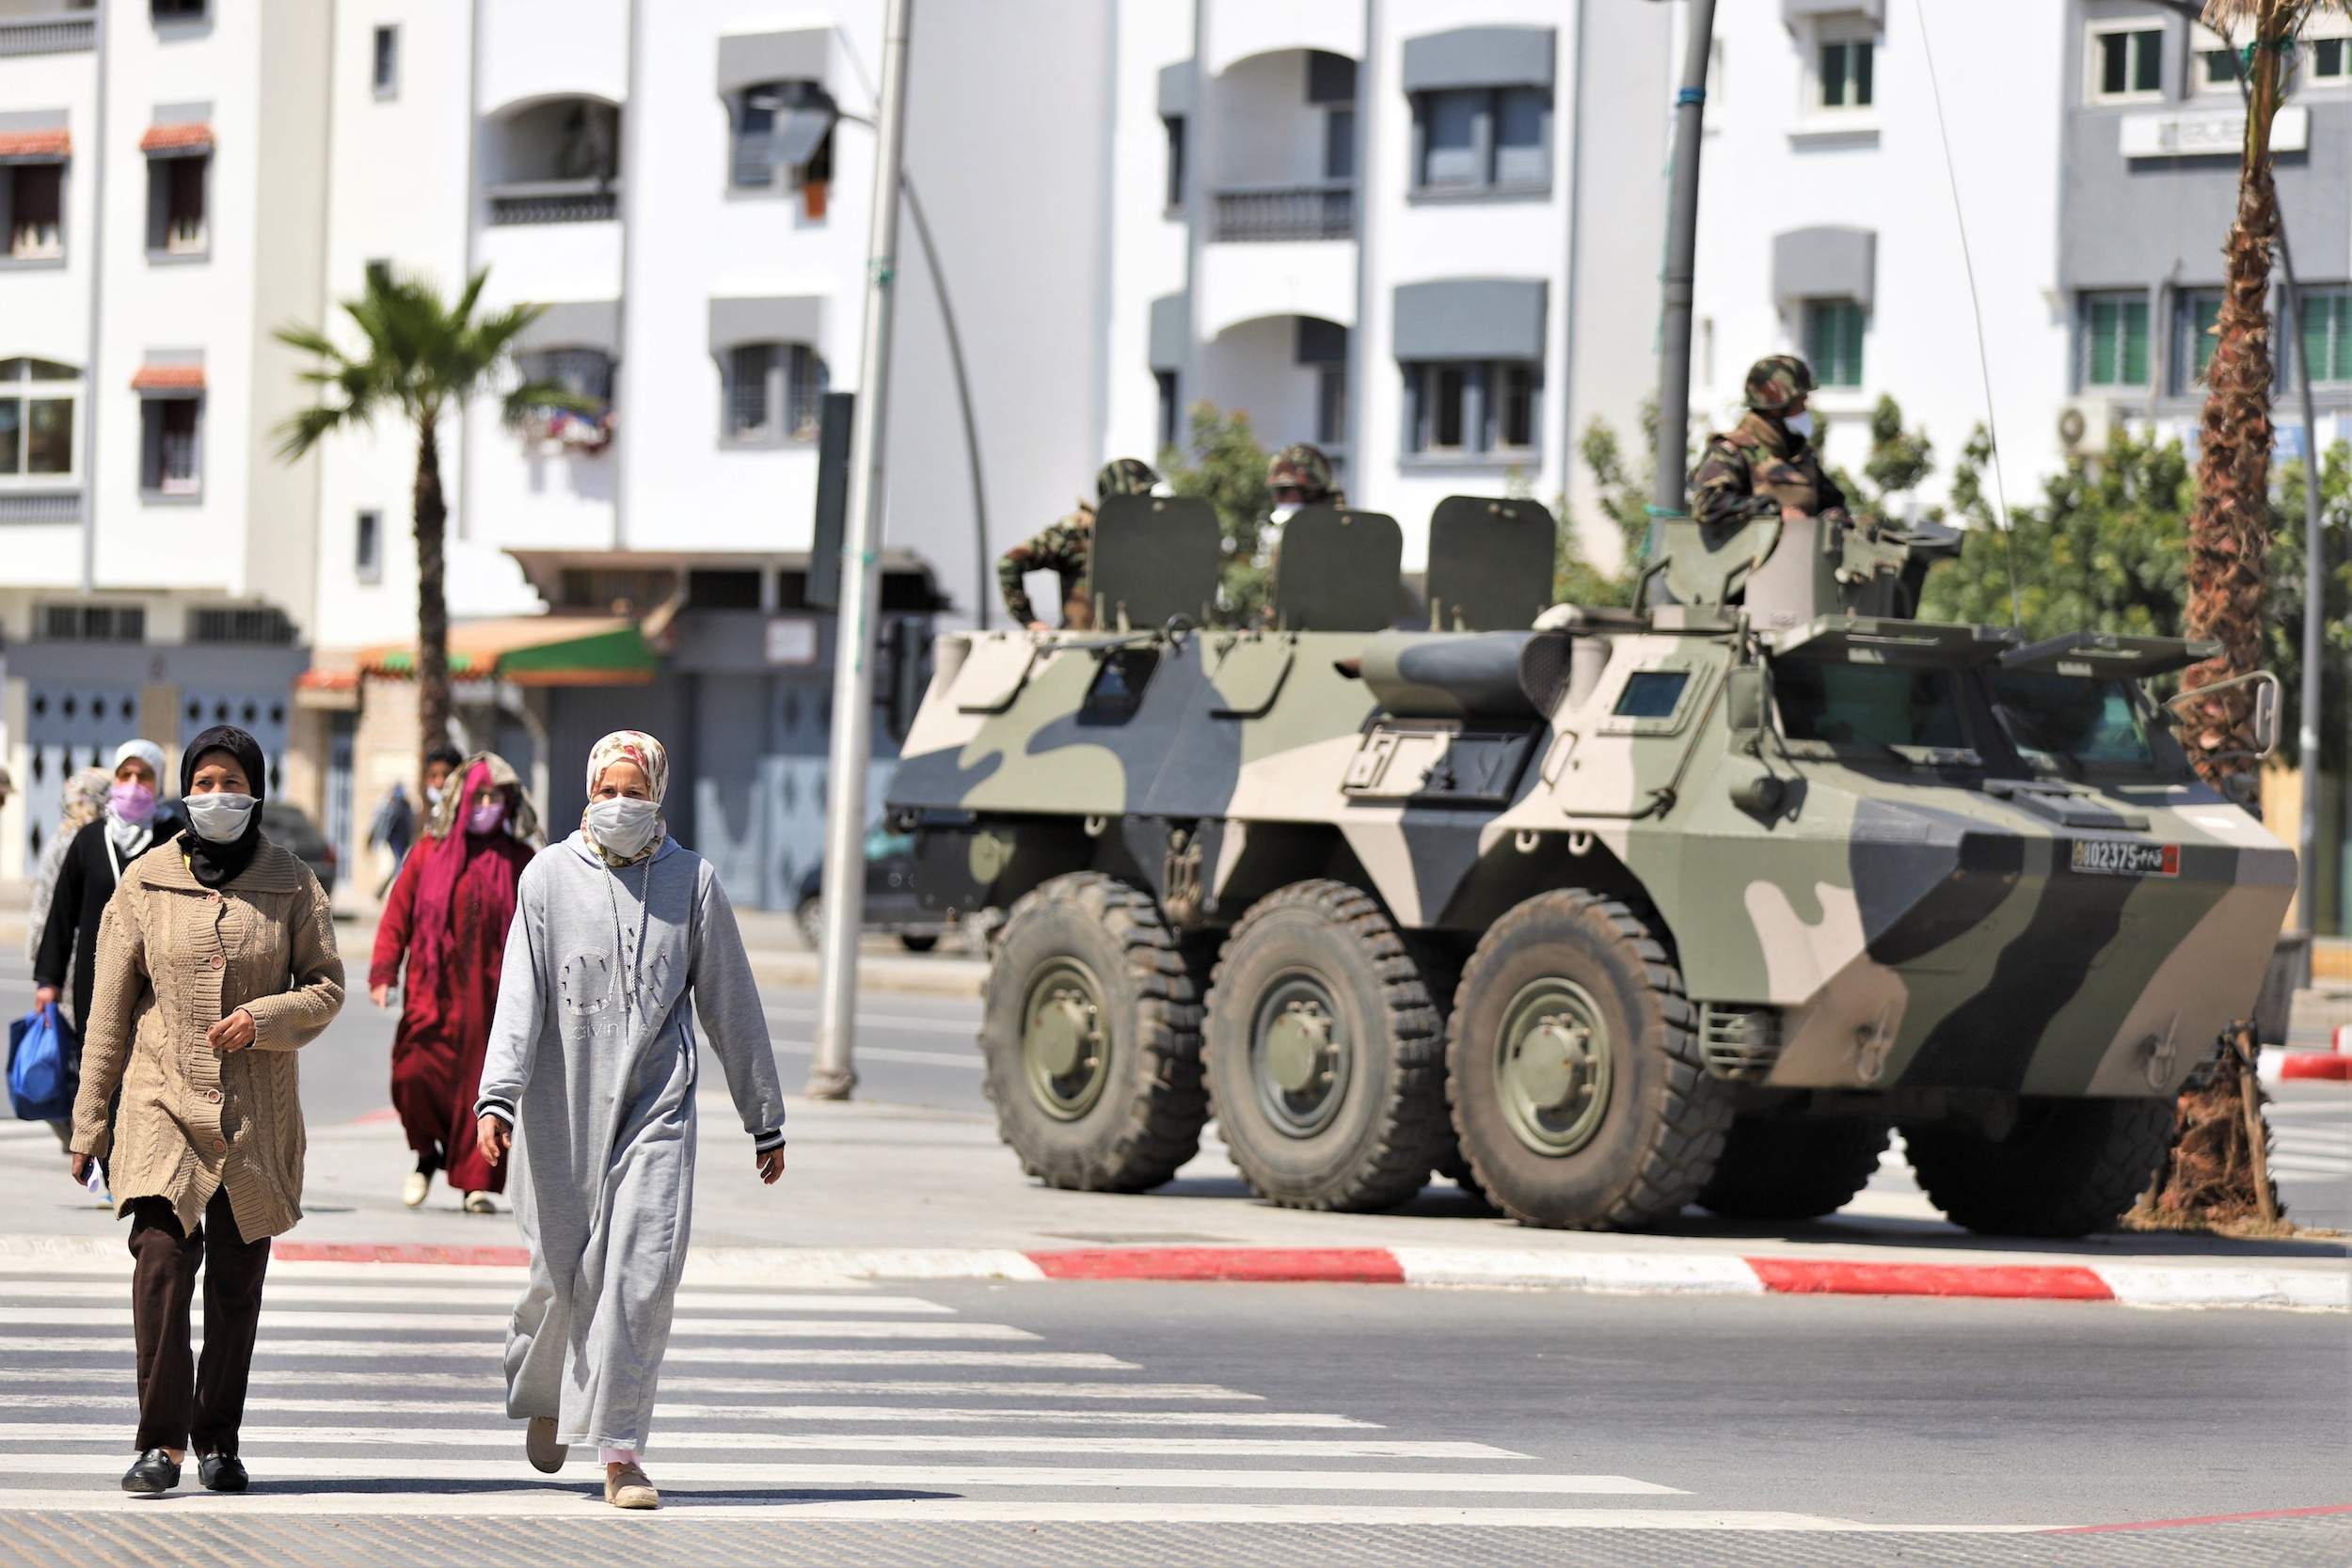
<point x="919" y="1051"/>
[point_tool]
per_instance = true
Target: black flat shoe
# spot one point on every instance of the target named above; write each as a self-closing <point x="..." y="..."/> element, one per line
<point x="221" y="1472"/>
<point x="151" y="1475"/>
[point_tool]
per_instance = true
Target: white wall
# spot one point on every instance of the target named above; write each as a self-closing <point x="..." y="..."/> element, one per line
<point x="1763" y="176"/>
<point x="1146" y="245"/>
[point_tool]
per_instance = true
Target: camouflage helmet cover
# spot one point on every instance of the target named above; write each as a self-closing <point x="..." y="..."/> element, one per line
<point x="1125" y="476"/>
<point x="1302" y="466"/>
<point x="1776" y="381"/>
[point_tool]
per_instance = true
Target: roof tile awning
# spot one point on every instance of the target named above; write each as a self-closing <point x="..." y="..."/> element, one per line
<point x="168" y="378"/>
<point x="50" y="143"/>
<point x="533" y="650"/>
<point x="192" y="136"/>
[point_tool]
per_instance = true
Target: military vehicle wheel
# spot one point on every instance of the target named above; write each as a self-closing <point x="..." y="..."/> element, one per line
<point x="1576" y="1083"/>
<point x="1324" y="1050"/>
<point x="2067" y="1168"/>
<point x="918" y="941"/>
<point x="1784" y="1166"/>
<point x="1090" y="1024"/>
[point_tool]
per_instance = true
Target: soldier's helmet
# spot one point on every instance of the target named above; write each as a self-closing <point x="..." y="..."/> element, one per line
<point x="1776" y="381"/>
<point x="1125" y="476"/>
<point x="1303" y="467"/>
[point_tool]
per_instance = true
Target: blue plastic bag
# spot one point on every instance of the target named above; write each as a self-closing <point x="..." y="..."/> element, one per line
<point x="40" y="1083"/>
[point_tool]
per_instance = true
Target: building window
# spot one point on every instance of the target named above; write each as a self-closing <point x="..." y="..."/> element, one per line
<point x="587" y="374"/>
<point x="172" y="445"/>
<point x="32" y="203"/>
<point x="367" y="548"/>
<point x="1845" y="73"/>
<point x="1168" y="407"/>
<point x="1482" y="140"/>
<point x="2331" y="61"/>
<point x="1833" y="341"/>
<point x="2327" y="335"/>
<point x="2194" y="341"/>
<point x="387" y="62"/>
<point x="1331" y="405"/>
<point x="37" y="423"/>
<point x="94" y="623"/>
<point x="1338" y="143"/>
<point x="1461" y="408"/>
<point x="776" y="392"/>
<point x="176" y="193"/>
<point x="177" y="10"/>
<point x="1175" y="200"/>
<point x="2217" y="70"/>
<point x="263" y="626"/>
<point x="775" y="129"/>
<point x="2126" y="63"/>
<point x="2114" y="340"/>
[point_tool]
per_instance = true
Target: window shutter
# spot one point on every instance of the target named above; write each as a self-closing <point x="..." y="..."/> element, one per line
<point x="2134" y="329"/>
<point x="2101" y="370"/>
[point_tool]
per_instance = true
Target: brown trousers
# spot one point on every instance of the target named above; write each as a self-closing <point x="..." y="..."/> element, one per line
<point x="187" y="1403"/>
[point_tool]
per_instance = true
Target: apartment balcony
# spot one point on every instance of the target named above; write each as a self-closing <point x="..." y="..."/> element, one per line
<point x="1323" y="210"/>
<point x="54" y="30"/>
<point x="62" y="505"/>
<point x="555" y="201"/>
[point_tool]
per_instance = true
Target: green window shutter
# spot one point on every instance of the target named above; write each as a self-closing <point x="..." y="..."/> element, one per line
<point x="2134" y="327"/>
<point x="1862" y="53"/>
<point x="2099" y="370"/>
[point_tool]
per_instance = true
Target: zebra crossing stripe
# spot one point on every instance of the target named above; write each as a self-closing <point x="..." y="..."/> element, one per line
<point x="279" y="1293"/>
<point x="686" y="1326"/>
<point x="753" y="1381"/>
<point x="875" y="1478"/>
<point x="487" y="1405"/>
<point x="270" y="1351"/>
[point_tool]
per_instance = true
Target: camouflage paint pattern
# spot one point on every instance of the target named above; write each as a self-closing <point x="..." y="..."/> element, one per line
<point x="1754" y="469"/>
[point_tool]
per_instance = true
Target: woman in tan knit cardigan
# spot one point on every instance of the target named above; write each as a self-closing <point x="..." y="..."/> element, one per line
<point x="216" y="961"/>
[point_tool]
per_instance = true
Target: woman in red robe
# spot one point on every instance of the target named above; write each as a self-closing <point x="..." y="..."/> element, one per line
<point x="446" y="917"/>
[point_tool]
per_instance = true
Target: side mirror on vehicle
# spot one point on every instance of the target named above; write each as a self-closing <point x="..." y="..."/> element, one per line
<point x="2269" y="705"/>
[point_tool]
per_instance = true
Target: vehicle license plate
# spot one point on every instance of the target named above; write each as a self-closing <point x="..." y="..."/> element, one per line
<point x="2122" y="857"/>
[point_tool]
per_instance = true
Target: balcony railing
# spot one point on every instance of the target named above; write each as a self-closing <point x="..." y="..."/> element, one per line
<point x="1251" y="213"/>
<point x="555" y="201"/>
<point x="40" y="506"/>
<point x="48" y="35"/>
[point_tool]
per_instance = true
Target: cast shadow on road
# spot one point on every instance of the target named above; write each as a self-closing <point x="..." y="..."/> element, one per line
<point x="587" y="1490"/>
<point x="1443" y="1201"/>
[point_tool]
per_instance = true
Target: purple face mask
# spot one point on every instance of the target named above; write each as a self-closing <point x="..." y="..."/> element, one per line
<point x="132" y="803"/>
<point x="485" y="819"/>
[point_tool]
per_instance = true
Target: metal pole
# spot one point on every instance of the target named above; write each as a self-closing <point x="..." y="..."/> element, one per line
<point x="983" y="581"/>
<point x="832" y="1076"/>
<point x="1682" y="239"/>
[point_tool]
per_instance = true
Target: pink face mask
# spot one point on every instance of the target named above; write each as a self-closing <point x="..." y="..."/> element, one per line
<point x="132" y="803"/>
<point x="485" y="819"/>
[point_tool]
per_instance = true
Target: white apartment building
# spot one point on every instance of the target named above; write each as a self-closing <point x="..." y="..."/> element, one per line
<point x="163" y="187"/>
<point x="1422" y="234"/>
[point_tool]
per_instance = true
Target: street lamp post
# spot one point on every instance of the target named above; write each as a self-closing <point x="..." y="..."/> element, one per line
<point x="830" y="1076"/>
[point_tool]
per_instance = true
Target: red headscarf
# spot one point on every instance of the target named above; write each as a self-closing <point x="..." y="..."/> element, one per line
<point x="455" y="854"/>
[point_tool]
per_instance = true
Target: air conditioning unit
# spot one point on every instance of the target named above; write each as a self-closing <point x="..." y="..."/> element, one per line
<point x="2083" y="425"/>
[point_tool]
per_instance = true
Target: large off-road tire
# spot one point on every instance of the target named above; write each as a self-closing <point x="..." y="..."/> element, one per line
<point x="1576" y="1083"/>
<point x="1778" y="1165"/>
<point x="1325" y="1053"/>
<point x="2067" y="1168"/>
<point x="1090" y="1025"/>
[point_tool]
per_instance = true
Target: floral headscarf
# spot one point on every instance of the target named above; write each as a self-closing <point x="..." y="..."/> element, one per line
<point x="85" y="797"/>
<point x="647" y="752"/>
<point x="522" y="818"/>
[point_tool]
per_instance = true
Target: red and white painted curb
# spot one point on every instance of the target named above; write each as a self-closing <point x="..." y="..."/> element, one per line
<point x="2331" y="1062"/>
<point x="2325" y="1287"/>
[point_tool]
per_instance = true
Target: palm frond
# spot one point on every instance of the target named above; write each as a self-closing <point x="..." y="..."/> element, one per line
<point x="2223" y="15"/>
<point x="536" y="396"/>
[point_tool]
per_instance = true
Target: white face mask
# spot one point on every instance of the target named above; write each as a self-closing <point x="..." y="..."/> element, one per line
<point x="622" y="824"/>
<point x="433" y="795"/>
<point x="1801" y="423"/>
<point x="1163" y="488"/>
<point x="220" y="817"/>
<point x="1281" y="514"/>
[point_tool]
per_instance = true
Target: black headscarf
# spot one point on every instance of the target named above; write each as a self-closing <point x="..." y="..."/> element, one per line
<point x="214" y="863"/>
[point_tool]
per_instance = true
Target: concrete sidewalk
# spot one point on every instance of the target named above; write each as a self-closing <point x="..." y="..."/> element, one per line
<point x="883" y="1192"/>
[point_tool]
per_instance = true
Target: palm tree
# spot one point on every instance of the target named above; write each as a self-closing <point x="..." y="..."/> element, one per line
<point x="423" y="360"/>
<point x="2218" y="1167"/>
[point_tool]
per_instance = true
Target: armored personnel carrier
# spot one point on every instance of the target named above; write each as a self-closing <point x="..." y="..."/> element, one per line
<point x="1602" y="912"/>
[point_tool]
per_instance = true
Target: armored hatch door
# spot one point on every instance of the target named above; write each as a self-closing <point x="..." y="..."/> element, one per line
<point x="1154" y="558"/>
<point x="992" y="673"/>
<point x="1337" y="569"/>
<point x="2110" y="655"/>
<point x="1489" y="563"/>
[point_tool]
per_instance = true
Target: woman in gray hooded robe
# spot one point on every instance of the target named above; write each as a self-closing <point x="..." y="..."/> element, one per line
<point x="622" y="941"/>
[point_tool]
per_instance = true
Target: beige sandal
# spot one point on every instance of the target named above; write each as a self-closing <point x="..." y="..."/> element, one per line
<point x="626" y="1486"/>
<point x="546" y="1454"/>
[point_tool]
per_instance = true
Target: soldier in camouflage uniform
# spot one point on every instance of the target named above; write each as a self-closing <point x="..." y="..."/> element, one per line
<point x="1764" y="465"/>
<point x="1065" y="548"/>
<point x="1300" y="475"/>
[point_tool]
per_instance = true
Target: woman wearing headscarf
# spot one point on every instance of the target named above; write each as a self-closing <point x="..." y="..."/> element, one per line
<point x="451" y="904"/>
<point x="84" y="801"/>
<point x="216" y="962"/>
<point x="92" y="867"/>
<point x="623" y="942"/>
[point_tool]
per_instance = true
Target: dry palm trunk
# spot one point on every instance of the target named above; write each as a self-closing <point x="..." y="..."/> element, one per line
<point x="432" y="523"/>
<point x="2217" y="1169"/>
